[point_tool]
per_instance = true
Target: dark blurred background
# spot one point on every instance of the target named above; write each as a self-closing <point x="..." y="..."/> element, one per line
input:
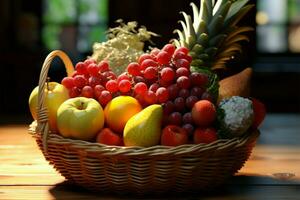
<point x="29" y="31"/>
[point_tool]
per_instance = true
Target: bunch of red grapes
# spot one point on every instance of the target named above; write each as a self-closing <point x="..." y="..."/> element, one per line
<point x="161" y="76"/>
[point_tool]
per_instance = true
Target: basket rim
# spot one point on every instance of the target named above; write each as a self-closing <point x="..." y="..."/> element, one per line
<point x="94" y="147"/>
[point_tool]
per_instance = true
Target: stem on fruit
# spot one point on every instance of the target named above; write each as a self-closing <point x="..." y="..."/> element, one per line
<point x="81" y="106"/>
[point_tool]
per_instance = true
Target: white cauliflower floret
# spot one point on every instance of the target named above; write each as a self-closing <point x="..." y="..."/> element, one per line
<point x="238" y="115"/>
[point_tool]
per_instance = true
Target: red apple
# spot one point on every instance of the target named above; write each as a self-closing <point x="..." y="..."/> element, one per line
<point x="205" y="135"/>
<point x="173" y="135"/>
<point x="107" y="136"/>
<point x="203" y="113"/>
<point x="259" y="110"/>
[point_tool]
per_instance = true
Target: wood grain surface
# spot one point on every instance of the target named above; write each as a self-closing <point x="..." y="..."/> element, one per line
<point x="272" y="172"/>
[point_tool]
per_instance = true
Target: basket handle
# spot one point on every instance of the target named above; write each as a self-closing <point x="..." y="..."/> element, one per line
<point x="42" y="118"/>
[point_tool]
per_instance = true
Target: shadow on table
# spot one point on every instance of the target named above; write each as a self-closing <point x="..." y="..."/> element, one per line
<point x="237" y="187"/>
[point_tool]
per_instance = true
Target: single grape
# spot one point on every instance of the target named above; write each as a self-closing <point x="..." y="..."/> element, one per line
<point x="199" y="79"/>
<point x="182" y="71"/>
<point x="187" y="118"/>
<point x="81" y="68"/>
<point x="109" y="75"/>
<point x="68" y="82"/>
<point x="175" y="118"/>
<point x="112" y="86"/>
<point x="168" y="107"/>
<point x="97" y="90"/>
<point x="148" y="63"/>
<point x="154" y="52"/>
<point x="167" y="74"/>
<point x="124" y="86"/>
<point x="184" y="93"/>
<point x="89" y="61"/>
<point x="103" y="66"/>
<point x="87" y="91"/>
<point x="123" y="76"/>
<point x="144" y="57"/>
<point x="170" y="48"/>
<point x="150" y="73"/>
<point x="104" y="98"/>
<point x="179" y="103"/>
<point x="138" y="79"/>
<point x="153" y="87"/>
<point x="140" y="88"/>
<point x="189" y="128"/>
<point x="183" y="82"/>
<point x="182" y="62"/>
<point x="94" y="80"/>
<point x="207" y="96"/>
<point x="80" y="81"/>
<point x="163" y="57"/>
<point x="190" y="101"/>
<point x="197" y="91"/>
<point x="162" y="95"/>
<point x="74" y="92"/>
<point x="173" y="91"/>
<point x="179" y="55"/>
<point x="93" y="69"/>
<point x="134" y="69"/>
<point x="184" y="50"/>
<point x="150" y="97"/>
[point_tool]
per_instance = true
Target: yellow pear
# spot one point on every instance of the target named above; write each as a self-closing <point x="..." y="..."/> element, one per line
<point x="144" y="128"/>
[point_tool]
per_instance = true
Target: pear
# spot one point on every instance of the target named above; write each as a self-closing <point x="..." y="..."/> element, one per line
<point x="236" y="85"/>
<point x="144" y="128"/>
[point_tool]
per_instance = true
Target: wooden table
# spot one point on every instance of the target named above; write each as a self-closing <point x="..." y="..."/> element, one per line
<point x="272" y="172"/>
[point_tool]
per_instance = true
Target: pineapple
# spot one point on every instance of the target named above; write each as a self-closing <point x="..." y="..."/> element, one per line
<point x="213" y="36"/>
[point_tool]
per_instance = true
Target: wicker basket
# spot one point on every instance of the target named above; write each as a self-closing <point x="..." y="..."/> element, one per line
<point x="136" y="169"/>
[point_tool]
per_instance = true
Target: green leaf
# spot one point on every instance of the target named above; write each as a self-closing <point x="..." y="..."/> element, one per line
<point x="235" y="8"/>
<point x="235" y="19"/>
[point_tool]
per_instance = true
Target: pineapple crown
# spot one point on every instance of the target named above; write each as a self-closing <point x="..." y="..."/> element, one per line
<point x="213" y="35"/>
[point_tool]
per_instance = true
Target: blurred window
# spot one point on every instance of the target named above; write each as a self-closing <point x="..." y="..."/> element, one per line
<point x="74" y="25"/>
<point x="278" y="26"/>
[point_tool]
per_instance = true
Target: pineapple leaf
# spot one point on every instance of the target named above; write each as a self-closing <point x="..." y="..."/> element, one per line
<point x="176" y="43"/>
<point x="196" y="17"/>
<point x="184" y="28"/>
<point x="237" y="39"/>
<point x="204" y="14"/>
<point x="223" y="10"/>
<point x="240" y="14"/>
<point x="235" y="8"/>
<point x="235" y="31"/>
<point x="181" y="38"/>
<point x="202" y="28"/>
<point x="217" y="40"/>
<point x="215" y="25"/>
<point x="189" y="25"/>
<point x="211" y="51"/>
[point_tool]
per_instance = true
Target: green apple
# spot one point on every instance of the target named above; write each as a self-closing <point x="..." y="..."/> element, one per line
<point x="55" y="94"/>
<point x="80" y="118"/>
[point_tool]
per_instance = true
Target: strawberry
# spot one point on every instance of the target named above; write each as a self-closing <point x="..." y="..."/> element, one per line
<point x="259" y="112"/>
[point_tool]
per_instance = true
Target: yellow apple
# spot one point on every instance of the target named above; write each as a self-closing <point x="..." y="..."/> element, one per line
<point x="56" y="94"/>
<point x="80" y="118"/>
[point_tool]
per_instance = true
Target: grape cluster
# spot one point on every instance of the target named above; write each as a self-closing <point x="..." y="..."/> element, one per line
<point x="161" y="76"/>
<point x="92" y="80"/>
<point x="164" y="76"/>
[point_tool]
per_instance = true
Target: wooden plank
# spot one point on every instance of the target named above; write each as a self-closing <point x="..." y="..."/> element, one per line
<point x="74" y="193"/>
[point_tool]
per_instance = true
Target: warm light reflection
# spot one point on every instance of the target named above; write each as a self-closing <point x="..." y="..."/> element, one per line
<point x="262" y="18"/>
<point x="294" y="39"/>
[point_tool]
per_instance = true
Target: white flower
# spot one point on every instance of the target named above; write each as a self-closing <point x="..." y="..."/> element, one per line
<point x="238" y="114"/>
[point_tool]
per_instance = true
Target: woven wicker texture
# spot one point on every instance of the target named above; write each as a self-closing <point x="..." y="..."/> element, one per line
<point x="136" y="169"/>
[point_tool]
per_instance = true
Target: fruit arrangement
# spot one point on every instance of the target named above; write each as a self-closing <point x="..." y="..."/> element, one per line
<point x="169" y="96"/>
